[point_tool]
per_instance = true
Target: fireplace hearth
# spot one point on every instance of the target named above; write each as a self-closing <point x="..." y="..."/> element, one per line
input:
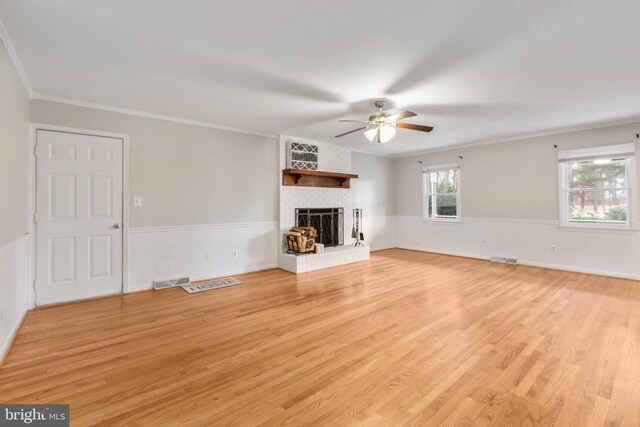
<point x="328" y="222"/>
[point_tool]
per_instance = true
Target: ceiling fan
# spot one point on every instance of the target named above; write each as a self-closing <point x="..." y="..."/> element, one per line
<point x="382" y="125"/>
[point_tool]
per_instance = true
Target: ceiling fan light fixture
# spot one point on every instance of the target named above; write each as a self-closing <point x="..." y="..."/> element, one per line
<point x="370" y="134"/>
<point x="382" y="125"/>
<point x="387" y="132"/>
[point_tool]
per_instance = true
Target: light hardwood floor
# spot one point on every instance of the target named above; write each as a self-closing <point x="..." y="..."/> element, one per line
<point x="407" y="338"/>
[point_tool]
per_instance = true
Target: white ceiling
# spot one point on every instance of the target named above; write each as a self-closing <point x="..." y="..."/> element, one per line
<point x="475" y="70"/>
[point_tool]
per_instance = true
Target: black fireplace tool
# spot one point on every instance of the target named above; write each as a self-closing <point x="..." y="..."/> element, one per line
<point x="356" y="231"/>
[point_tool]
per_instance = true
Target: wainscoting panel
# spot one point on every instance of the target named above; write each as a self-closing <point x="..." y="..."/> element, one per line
<point x="14" y="288"/>
<point x="534" y="242"/>
<point x="379" y="232"/>
<point x="167" y="252"/>
<point x="201" y="251"/>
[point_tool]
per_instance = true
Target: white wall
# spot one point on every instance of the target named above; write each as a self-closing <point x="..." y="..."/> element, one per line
<point x="200" y="252"/>
<point x="531" y="241"/>
<point x="14" y="200"/>
<point x="14" y="282"/>
<point x="206" y="193"/>
<point x="185" y="174"/>
<point x="14" y="152"/>
<point x="517" y="179"/>
<point x="374" y="193"/>
<point x="510" y="206"/>
<point x="197" y="210"/>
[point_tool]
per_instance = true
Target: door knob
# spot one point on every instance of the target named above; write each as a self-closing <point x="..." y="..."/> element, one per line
<point x="116" y="226"/>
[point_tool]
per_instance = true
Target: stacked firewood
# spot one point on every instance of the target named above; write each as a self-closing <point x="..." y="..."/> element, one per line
<point x="301" y="239"/>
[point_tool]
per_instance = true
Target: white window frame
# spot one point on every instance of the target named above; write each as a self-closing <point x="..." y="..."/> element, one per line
<point x="621" y="151"/>
<point x="425" y="193"/>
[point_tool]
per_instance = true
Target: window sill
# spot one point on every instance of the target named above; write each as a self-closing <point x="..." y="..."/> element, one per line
<point x="598" y="229"/>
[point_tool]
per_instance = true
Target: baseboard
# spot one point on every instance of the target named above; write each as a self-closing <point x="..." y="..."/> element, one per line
<point x="231" y="273"/>
<point x="211" y="276"/>
<point x="76" y="301"/>
<point x="593" y="272"/>
<point x="590" y="271"/>
<point x="441" y="252"/>
<point x="4" y="351"/>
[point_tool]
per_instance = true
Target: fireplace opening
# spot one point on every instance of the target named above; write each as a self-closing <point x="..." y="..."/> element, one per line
<point x="328" y="222"/>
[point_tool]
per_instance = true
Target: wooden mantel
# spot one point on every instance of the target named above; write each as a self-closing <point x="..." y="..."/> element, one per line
<point x="306" y="178"/>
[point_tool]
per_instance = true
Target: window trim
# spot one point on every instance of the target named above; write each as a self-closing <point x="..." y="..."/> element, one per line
<point x="425" y="193"/>
<point x="622" y="151"/>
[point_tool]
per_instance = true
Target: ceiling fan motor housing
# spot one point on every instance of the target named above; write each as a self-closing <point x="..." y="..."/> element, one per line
<point x="377" y="117"/>
<point x="380" y="115"/>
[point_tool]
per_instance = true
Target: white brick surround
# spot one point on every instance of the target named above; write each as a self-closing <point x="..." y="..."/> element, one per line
<point x="330" y="258"/>
<point x="331" y="158"/>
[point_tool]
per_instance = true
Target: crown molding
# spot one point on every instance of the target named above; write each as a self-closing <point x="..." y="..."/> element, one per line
<point x="130" y="112"/>
<point x="561" y="131"/>
<point x="4" y="36"/>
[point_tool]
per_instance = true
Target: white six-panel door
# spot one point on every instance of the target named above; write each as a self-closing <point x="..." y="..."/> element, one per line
<point x="79" y="216"/>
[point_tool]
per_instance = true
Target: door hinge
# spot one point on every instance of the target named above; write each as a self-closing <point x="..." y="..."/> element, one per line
<point x="35" y="217"/>
<point x="35" y="150"/>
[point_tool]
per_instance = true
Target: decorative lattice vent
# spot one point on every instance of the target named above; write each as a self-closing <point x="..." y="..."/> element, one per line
<point x="170" y="283"/>
<point x="302" y="156"/>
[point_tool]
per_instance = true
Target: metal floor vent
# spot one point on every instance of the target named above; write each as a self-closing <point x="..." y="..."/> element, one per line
<point x="503" y="260"/>
<point x="170" y="283"/>
<point x="211" y="284"/>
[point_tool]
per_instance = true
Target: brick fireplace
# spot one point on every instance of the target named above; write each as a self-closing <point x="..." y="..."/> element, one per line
<point x="326" y="209"/>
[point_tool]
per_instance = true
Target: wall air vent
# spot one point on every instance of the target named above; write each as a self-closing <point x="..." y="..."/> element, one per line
<point x="302" y="156"/>
<point x="503" y="260"/>
<point x="170" y="283"/>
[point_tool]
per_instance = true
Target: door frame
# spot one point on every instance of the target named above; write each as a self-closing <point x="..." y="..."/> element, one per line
<point x="33" y="129"/>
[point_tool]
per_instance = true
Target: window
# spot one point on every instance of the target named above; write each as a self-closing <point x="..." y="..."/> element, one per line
<point x="595" y="186"/>
<point x="441" y="193"/>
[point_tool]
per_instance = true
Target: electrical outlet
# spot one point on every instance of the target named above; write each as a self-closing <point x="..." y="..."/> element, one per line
<point x="209" y="257"/>
<point x="483" y="243"/>
<point x="234" y="254"/>
<point x="137" y="201"/>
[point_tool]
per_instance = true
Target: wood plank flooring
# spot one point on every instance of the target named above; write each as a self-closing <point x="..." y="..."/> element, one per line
<point x="407" y="338"/>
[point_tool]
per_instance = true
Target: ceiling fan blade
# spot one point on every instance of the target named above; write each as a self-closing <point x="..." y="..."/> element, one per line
<point x="378" y="133"/>
<point x="351" y="131"/>
<point x="400" y="116"/>
<point x="414" y="127"/>
<point x="355" y="121"/>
